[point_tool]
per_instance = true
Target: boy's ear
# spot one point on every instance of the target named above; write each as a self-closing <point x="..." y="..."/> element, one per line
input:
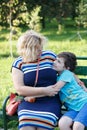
<point x="68" y="68"/>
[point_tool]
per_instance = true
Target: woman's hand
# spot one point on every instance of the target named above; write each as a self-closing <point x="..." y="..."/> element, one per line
<point x="29" y="99"/>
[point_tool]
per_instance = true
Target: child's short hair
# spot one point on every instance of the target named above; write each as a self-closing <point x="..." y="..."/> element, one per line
<point x="69" y="60"/>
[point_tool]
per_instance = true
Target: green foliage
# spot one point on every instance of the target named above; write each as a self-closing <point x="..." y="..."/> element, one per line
<point x="82" y="11"/>
<point x="18" y="9"/>
<point x="35" y="19"/>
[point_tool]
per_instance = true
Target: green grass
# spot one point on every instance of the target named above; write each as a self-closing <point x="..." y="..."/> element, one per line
<point x="67" y="41"/>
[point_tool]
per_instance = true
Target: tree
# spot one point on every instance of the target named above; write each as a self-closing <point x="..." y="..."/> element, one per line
<point x="50" y="9"/>
<point x="10" y="23"/>
<point x="4" y="11"/>
<point x="34" y="19"/>
<point x="82" y="14"/>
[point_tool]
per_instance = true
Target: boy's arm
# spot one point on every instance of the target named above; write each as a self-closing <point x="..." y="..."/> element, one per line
<point x="51" y="90"/>
<point x="59" y="85"/>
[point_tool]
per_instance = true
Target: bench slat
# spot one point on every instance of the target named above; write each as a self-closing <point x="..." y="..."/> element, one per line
<point x="81" y="70"/>
<point x="82" y="58"/>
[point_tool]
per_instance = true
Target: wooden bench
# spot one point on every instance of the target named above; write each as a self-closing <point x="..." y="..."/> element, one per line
<point x="81" y="71"/>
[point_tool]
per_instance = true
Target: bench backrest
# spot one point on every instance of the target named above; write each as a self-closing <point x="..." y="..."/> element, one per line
<point x="81" y="69"/>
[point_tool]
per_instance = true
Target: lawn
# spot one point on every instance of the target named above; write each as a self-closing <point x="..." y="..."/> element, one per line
<point x="69" y="40"/>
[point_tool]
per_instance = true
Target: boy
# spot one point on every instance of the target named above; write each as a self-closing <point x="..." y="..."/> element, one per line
<point x="72" y="95"/>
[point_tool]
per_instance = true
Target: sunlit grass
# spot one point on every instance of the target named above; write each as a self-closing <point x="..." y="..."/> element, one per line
<point x="67" y="41"/>
<point x="6" y="85"/>
<point x="56" y="43"/>
<point x="77" y="47"/>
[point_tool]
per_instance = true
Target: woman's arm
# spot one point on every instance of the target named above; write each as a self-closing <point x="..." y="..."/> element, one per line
<point x="30" y="91"/>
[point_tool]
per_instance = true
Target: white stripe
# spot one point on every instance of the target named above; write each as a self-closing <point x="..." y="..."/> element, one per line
<point x="37" y="115"/>
<point x="36" y="69"/>
<point x="37" y="112"/>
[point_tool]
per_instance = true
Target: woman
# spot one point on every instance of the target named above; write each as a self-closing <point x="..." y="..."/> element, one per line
<point x="32" y="72"/>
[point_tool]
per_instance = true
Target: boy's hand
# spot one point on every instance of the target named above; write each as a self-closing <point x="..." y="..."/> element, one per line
<point x="51" y="90"/>
<point x="29" y="99"/>
<point x="81" y="83"/>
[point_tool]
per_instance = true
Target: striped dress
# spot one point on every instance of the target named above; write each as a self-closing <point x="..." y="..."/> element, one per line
<point x="45" y="111"/>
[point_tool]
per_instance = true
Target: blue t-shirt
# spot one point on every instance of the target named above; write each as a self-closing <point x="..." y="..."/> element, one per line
<point x="72" y="95"/>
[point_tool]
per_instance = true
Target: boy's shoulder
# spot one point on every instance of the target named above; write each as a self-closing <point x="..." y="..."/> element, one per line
<point x="67" y="72"/>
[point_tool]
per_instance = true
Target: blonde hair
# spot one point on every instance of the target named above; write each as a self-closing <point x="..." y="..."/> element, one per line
<point x="27" y="45"/>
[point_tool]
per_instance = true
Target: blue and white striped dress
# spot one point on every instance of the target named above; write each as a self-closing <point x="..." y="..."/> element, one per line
<point x="45" y="111"/>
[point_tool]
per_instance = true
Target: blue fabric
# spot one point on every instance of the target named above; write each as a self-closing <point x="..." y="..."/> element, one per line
<point x="72" y="95"/>
<point x="80" y="116"/>
<point x="47" y="76"/>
